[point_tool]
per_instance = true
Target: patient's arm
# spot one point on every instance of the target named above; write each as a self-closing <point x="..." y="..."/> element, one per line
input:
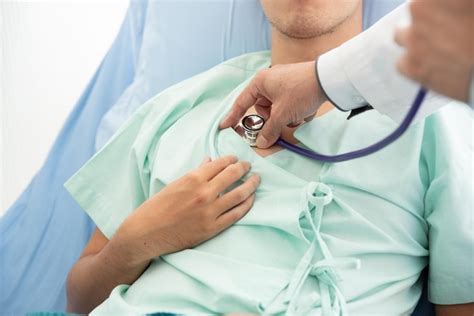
<point x="184" y="214"/>
<point x="455" y="310"/>
<point x="99" y="269"/>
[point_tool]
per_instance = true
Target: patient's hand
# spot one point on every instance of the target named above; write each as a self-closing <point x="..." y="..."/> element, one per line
<point x="188" y="211"/>
<point x="185" y="213"/>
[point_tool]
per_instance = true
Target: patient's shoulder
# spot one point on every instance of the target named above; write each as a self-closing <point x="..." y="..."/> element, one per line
<point x="215" y="83"/>
<point x="452" y="125"/>
<point x="222" y="77"/>
<point x="447" y="140"/>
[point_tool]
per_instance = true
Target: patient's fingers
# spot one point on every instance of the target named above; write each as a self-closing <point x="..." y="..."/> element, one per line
<point x="235" y="214"/>
<point x="211" y="169"/>
<point x="228" y="176"/>
<point x="238" y="195"/>
<point x="205" y="161"/>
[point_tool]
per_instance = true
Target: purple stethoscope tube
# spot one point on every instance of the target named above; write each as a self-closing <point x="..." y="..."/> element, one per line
<point x="364" y="151"/>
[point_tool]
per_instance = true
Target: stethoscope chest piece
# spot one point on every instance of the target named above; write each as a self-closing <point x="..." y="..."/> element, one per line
<point x="251" y="125"/>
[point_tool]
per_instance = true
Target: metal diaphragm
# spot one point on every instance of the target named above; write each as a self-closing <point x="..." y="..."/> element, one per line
<point x="252" y="125"/>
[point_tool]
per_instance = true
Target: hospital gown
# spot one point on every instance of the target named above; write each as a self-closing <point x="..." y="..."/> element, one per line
<point x="321" y="238"/>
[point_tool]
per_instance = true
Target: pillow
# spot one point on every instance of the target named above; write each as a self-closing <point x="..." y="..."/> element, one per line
<point x="185" y="37"/>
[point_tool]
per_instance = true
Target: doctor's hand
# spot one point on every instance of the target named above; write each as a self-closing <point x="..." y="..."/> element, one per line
<point x="440" y="46"/>
<point x="285" y="95"/>
<point x="188" y="211"/>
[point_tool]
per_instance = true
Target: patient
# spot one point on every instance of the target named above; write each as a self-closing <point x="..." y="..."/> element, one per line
<point x="320" y="238"/>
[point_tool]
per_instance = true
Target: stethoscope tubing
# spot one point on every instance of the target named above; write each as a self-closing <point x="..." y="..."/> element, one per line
<point x="364" y="151"/>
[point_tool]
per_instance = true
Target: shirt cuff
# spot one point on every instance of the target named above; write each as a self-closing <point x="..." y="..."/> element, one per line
<point x="335" y="83"/>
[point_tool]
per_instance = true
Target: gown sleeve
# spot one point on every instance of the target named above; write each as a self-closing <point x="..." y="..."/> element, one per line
<point x="113" y="183"/>
<point x="448" y="153"/>
<point x="116" y="181"/>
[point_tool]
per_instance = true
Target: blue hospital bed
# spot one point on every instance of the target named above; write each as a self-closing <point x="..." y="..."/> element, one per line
<point x="44" y="231"/>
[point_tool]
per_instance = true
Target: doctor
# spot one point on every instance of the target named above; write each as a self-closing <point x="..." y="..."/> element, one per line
<point x="439" y="53"/>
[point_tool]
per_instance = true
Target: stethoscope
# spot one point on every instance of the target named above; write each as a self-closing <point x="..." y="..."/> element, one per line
<point x="253" y="124"/>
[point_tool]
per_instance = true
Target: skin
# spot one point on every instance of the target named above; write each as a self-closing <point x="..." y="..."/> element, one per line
<point x="439" y="46"/>
<point x="287" y="92"/>
<point x="170" y="221"/>
<point x="327" y="24"/>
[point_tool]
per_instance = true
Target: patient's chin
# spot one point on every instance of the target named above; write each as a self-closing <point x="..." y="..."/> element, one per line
<point x="304" y="27"/>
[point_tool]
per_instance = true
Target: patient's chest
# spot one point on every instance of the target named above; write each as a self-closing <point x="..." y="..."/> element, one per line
<point x="368" y="209"/>
<point x="367" y="192"/>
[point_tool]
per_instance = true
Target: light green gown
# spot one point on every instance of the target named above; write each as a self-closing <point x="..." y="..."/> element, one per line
<point x="321" y="238"/>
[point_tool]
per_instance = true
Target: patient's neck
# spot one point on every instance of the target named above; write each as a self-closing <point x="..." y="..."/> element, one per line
<point x="287" y="50"/>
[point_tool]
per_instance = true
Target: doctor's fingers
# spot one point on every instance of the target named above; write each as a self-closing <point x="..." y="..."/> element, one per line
<point x="401" y="36"/>
<point x="251" y="94"/>
<point x="263" y="111"/>
<point x="414" y="39"/>
<point x="272" y="129"/>
<point x="437" y="72"/>
<point x="228" y="176"/>
<point x="418" y="51"/>
<point x="445" y="31"/>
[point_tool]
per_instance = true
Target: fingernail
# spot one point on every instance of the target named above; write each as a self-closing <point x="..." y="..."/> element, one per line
<point x="261" y="141"/>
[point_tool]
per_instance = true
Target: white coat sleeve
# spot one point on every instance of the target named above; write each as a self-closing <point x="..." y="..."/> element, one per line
<point x="363" y="71"/>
